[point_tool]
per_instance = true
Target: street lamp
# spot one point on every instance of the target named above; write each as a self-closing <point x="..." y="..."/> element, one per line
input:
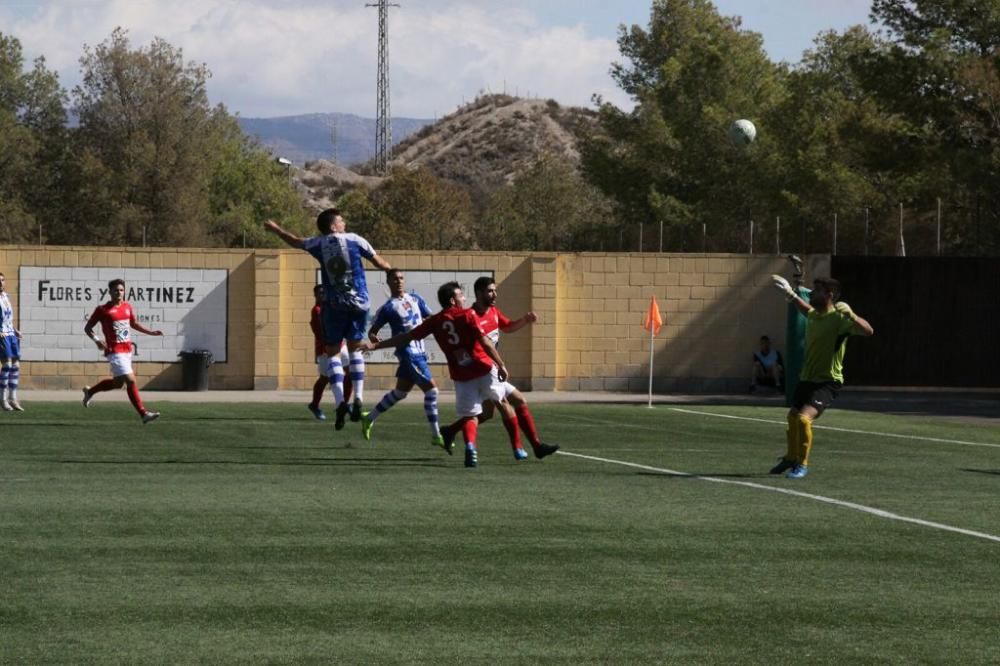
<point x="287" y="163"/>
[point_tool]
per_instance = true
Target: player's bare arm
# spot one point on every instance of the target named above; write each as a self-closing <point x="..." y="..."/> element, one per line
<point x="395" y="341"/>
<point x="285" y="235"/>
<point x="518" y="324"/>
<point x="88" y="330"/>
<point x="380" y="262"/>
<point x="142" y="329"/>
<point x="494" y="355"/>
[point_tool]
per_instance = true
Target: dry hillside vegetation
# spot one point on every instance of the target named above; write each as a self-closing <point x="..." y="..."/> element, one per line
<point x="490" y="140"/>
<point x="482" y="145"/>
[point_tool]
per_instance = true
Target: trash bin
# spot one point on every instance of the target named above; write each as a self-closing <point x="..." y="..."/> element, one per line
<point x="194" y="369"/>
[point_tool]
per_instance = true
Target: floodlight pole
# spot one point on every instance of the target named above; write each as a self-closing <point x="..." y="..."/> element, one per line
<point x="383" y="120"/>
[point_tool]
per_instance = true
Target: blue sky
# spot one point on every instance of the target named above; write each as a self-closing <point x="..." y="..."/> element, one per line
<point x="282" y="57"/>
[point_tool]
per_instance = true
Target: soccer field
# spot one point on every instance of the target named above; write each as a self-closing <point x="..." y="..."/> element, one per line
<point x="230" y="533"/>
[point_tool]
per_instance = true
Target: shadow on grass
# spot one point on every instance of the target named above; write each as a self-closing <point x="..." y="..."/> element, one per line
<point x="981" y="471"/>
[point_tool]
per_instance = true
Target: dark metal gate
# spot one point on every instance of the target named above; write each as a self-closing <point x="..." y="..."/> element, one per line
<point x="936" y="320"/>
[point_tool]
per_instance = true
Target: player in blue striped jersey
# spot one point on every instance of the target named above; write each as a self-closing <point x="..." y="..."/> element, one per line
<point x="10" y="353"/>
<point x="403" y="312"/>
<point x="345" y="310"/>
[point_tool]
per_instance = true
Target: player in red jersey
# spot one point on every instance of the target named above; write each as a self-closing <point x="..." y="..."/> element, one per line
<point x="513" y="407"/>
<point x="322" y="360"/>
<point x="117" y="319"/>
<point x="471" y="358"/>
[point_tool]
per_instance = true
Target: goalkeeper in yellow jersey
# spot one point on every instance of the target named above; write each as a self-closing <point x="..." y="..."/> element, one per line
<point x="829" y="323"/>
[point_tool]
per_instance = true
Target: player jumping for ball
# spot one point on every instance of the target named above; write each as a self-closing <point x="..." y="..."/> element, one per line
<point x="345" y="310"/>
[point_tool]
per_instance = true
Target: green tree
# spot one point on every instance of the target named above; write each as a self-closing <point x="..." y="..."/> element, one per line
<point x="245" y="187"/>
<point x="144" y="115"/>
<point x="691" y="72"/>
<point x="32" y="143"/>
<point x="416" y="210"/>
<point x="155" y="161"/>
<point x="942" y="73"/>
<point x="549" y="206"/>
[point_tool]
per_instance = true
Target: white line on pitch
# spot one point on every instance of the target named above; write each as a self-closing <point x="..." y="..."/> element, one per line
<point x="819" y="498"/>
<point x="850" y="430"/>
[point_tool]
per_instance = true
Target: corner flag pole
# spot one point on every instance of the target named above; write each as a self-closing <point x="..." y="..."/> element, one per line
<point x="651" y="334"/>
<point x="652" y="322"/>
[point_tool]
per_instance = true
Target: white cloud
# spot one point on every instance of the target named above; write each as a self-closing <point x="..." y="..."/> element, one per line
<point x="282" y="58"/>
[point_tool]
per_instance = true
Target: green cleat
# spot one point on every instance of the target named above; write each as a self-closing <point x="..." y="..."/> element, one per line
<point x="366" y="426"/>
<point x="438" y="441"/>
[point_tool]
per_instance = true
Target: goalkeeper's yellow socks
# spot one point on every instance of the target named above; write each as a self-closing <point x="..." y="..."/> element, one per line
<point x="805" y="428"/>
<point x="792" y="438"/>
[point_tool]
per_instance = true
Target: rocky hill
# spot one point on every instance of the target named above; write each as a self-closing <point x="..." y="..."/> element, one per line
<point x="493" y="138"/>
<point x="482" y="145"/>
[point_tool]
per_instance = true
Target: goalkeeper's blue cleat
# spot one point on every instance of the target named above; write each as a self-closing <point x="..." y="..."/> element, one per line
<point x="471" y="457"/>
<point x="520" y="454"/>
<point x="783" y="466"/>
<point x="797" y="472"/>
<point x="317" y="412"/>
<point x="366" y="426"/>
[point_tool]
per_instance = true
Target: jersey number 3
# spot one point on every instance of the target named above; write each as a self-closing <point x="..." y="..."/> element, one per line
<point x="449" y="328"/>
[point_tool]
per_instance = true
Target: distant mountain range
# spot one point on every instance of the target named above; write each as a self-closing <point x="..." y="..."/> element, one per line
<point x="337" y="137"/>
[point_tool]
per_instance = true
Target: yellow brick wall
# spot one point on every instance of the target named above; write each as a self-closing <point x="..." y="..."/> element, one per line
<point x="588" y="337"/>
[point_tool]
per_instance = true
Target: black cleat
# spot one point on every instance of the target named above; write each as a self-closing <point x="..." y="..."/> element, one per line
<point x="543" y="450"/>
<point x="782" y="466"/>
<point x="342" y="409"/>
<point x="356" y="410"/>
<point x="449" y="441"/>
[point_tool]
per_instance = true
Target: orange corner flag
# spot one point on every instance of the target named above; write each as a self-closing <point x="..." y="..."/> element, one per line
<point x="652" y="321"/>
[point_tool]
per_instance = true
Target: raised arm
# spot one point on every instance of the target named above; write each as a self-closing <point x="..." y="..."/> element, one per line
<point x="380" y="262"/>
<point x="283" y="234"/>
<point x="781" y="284"/>
<point x="861" y="326"/>
<point x="518" y="324"/>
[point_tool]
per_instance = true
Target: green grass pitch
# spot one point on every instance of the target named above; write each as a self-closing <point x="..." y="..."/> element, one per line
<point x="253" y="534"/>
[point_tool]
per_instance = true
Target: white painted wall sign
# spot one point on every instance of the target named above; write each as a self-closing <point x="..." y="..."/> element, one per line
<point x="190" y="306"/>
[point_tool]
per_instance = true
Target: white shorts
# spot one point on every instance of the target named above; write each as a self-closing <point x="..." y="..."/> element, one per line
<point x="470" y="395"/>
<point x="508" y="388"/>
<point x="121" y="364"/>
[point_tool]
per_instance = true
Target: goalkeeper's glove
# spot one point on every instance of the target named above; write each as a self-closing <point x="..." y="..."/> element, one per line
<point x="844" y="309"/>
<point x="781" y="284"/>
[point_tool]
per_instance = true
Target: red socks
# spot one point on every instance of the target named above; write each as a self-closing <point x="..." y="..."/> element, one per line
<point x="103" y="385"/>
<point x="133" y="397"/>
<point x="512" y="433"/>
<point x="527" y="424"/>
<point x="470" y="427"/>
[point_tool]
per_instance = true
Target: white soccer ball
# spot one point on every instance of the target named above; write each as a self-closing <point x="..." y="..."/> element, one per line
<point x="742" y="132"/>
